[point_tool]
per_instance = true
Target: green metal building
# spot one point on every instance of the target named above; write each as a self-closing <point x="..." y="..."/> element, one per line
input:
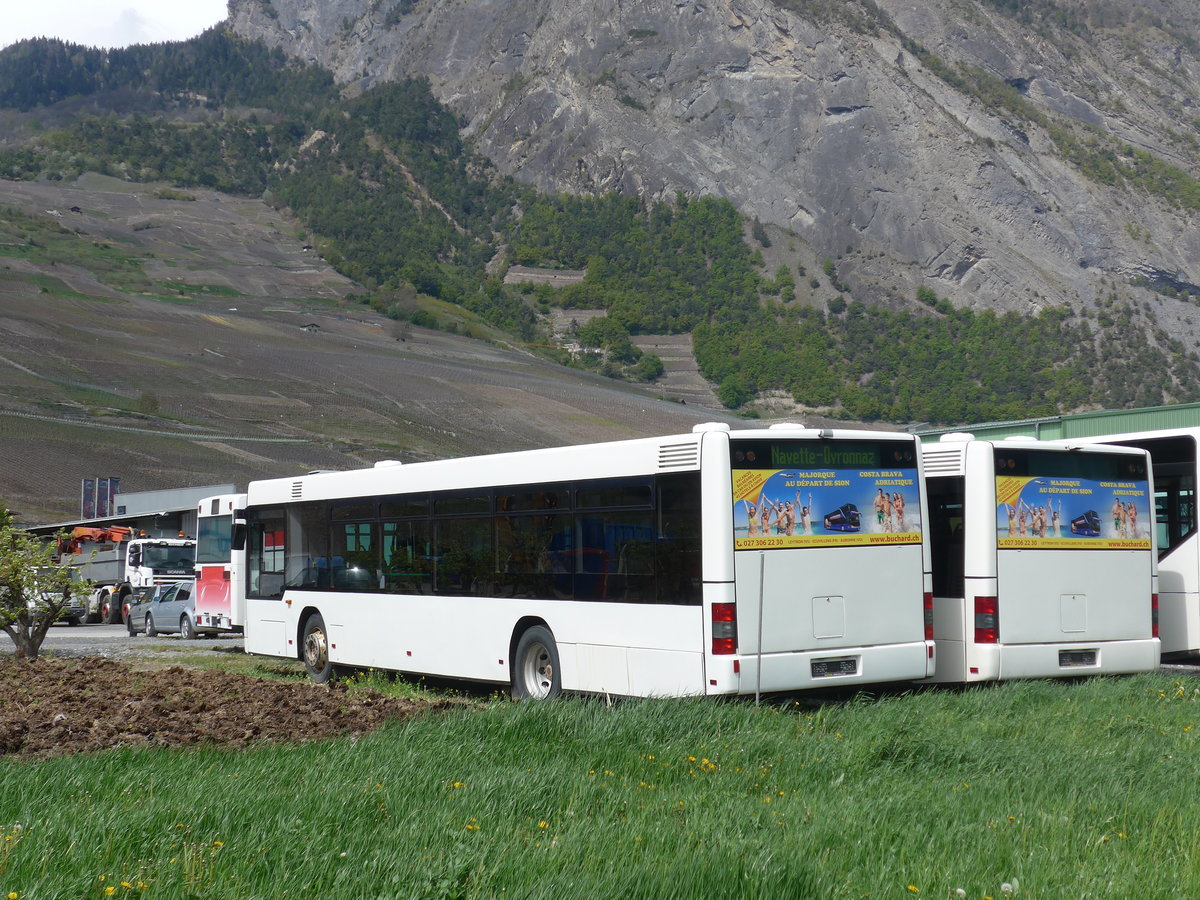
<point x="1053" y="428"/>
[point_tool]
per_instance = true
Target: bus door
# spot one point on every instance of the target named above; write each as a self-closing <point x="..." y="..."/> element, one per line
<point x="1174" y="463"/>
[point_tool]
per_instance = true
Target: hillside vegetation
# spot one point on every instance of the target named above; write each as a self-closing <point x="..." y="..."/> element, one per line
<point x="401" y="204"/>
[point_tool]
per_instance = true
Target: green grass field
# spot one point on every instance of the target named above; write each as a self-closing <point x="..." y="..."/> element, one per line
<point x="1031" y="789"/>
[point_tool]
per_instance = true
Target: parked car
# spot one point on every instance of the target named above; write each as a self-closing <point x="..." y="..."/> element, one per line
<point x="73" y="613"/>
<point x="165" y="609"/>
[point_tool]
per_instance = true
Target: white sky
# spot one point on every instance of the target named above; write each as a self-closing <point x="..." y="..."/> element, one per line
<point x="108" y="23"/>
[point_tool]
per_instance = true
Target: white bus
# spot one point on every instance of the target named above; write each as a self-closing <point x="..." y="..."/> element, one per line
<point x="1043" y="561"/>
<point x="716" y="562"/>
<point x="1174" y="462"/>
<point x="220" y="566"/>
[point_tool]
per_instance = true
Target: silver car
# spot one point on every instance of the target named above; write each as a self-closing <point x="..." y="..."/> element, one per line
<point x="73" y="612"/>
<point x="165" y="609"/>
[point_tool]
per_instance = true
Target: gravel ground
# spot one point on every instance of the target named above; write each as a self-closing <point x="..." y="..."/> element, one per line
<point x="114" y="642"/>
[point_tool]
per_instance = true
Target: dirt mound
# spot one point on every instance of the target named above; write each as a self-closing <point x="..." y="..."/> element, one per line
<point x="56" y="706"/>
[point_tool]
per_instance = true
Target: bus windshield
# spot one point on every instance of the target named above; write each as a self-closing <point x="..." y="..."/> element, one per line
<point x="824" y="493"/>
<point x="167" y="556"/>
<point x="213" y="539"/>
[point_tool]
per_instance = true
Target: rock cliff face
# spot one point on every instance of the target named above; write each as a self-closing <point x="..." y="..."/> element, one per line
<point x="842" y="121"/>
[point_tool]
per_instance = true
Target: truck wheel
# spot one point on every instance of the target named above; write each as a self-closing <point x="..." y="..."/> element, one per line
<point x="151" y="631"/>
<point x="106" y="610"/>
<point x="186" y="631"/>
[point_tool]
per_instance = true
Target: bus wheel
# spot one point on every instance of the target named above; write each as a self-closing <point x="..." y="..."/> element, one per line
<point x="315" y="646"/>
<point x="535" y="672"/>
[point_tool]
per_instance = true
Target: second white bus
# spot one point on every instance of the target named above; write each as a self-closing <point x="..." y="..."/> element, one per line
<point x="1043" y="561"/>
<point x="716" y="562"/>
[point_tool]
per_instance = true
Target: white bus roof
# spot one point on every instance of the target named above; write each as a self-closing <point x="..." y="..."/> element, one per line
<point x="642" y="456"/>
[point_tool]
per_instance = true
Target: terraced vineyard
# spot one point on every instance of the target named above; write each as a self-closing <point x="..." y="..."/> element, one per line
<point x="182" y="342"/>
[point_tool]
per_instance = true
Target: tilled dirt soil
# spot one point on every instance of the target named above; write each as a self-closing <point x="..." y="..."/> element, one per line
<point x="52" y="707"/>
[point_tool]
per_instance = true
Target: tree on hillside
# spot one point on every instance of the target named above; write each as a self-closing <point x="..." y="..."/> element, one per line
<point x="34" y="590"/>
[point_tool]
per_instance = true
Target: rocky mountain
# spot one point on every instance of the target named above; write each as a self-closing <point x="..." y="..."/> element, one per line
<point x="1009" y="154"/>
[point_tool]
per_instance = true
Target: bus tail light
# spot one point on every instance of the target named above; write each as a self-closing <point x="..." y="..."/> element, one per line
<point x="724" y="629"/>
<point x="928" y="601"/>
<point x="1154" y="615"/>
<point x="987" y="621"/>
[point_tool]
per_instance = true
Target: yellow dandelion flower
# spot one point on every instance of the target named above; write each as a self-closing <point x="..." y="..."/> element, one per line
<point x="13" y="895"/>
<point x="543" y="824"/>
<point x="913" y="889"/>
<point x="218" y="843"/>
<point x="126" y="885"/>
<point x="110" y="890"/>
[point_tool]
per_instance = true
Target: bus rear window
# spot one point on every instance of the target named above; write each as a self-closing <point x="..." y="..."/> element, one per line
<point x="1056" y="500"/>
<point x="824" y="493"/>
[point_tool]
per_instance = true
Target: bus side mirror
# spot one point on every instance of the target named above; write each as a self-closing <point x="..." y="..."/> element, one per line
<point x="238" y="539"/>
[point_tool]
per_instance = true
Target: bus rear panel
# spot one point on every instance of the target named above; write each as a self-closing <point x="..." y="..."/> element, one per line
<point x="1043" y="560"/>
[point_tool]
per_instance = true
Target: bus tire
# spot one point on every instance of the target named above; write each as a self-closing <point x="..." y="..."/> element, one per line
<point x="536" y="674"/>
<point x="314" y="649"/>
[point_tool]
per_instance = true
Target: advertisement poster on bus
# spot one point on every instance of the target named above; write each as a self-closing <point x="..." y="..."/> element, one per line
<point x="778" y="508"/>
<point x="1056" y="513"/>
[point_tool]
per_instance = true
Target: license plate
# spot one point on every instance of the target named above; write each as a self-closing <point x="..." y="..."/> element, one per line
<point x="1068" y="659"/>
<point x="826" y="668"/>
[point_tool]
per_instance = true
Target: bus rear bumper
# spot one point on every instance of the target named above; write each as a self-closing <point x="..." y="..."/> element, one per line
<point x="1096" y="658"/>
<point x="815" y="669"/>
<point x="997" y="662"/>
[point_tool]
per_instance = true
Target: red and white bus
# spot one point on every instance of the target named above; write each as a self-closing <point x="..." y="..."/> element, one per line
<point x="220" y="568"/>
<point x="715" y="562"/>
<point x="1043" y="559"/>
